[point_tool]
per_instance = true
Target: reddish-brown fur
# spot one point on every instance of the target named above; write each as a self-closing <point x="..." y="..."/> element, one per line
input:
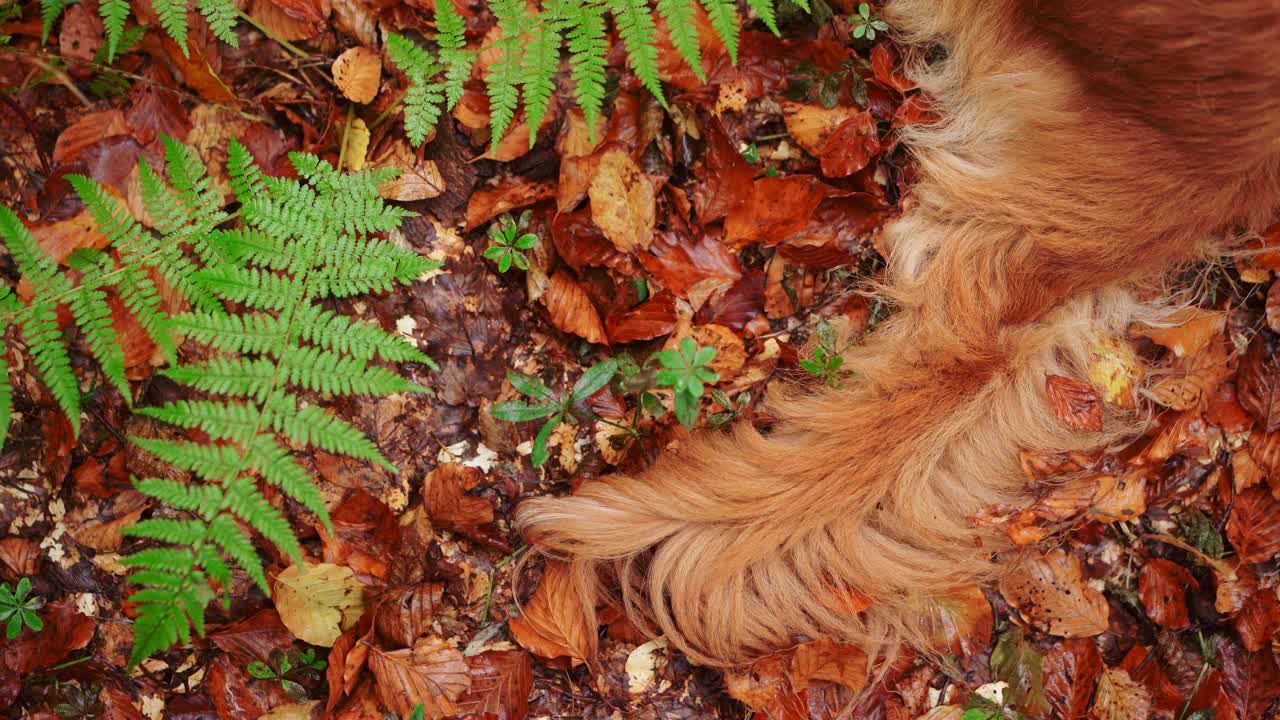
<point x="1086" y="146"/>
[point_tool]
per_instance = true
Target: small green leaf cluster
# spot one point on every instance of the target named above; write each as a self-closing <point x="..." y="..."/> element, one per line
<point x="866" y="23"/>
<point x="510" y="241"/>
<point x="285" y="666"/>
<point x="556" y="407"/>
<point x="684" y="369"/>
<point x="18" y="610"/>
<point x="732" y="407"/>
<point x="827" y="361"/>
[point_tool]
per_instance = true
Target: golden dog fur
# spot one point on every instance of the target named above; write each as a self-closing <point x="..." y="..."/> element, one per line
<point x="1085" y="146"/>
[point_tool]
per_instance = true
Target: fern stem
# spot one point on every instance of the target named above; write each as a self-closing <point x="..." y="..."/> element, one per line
<point x="346" y="129"/>
<point x="300" y="53"/>
<point x="62" y="78"/>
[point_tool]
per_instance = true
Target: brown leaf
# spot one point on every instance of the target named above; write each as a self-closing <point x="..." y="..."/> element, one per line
<point x="850" y="147"/>
<point x="571" y="309"/>
<point x="357" y="73"/>
<point x="237" y="695"/>
<point x="418" y="180"/>
<point x="961" y="621"/>
<point x="581" y="244"/>
<point x="765" y="687"/>
<point x="405" y="614"/>
<point x="444" y="495"/>
<point x="433" y="673"/>
<point x="1273" y="307"/>
<point x="102" y="528"/>
<point x="692" y="269"/>
<point x="255" y="637"/>
<point x="1254" y="525"/>
<point x="80" y="35"/>
<point x="1258" y="380"/>
<point x="1075" y="403"/>
<point x="292" y="19"/>
<point x="725" y="176"/>
<point x="1119" y="697"/>
<point x="1195" y="384"/>
<point x="86" y="131"/>
<point x="650" y="319"/>
<point x="831" y="661"/>
<point x="510" y="194"/>
<point x="1050" y="590"/>
<point x="1120" y="497"/>
<point x="1070" y="669"/>
<point x="1251" y="681"/>
<point x="552" y="623"/>
<point x="810" y="125"/>
<point x="501" y="681"/>
<point x="1258" y="620"/>
<point x="622" y="201"/>
<point x="347" y="660"/>
<point x="20" y="555"/>
<point x="731" y="354"/>
<point x="65" y="630"/>
<point x="883" y="62"/>
<point x="1163" y="585"/>
<point x="777" y="208"/>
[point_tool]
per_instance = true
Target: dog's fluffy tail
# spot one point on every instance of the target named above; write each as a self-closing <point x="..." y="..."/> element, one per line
<point x="1040" y="203"/>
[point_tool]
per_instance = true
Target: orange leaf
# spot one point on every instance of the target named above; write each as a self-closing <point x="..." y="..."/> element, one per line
<point x="1050" y="590"/>
<point x="828" y="660"/>
<point x="1258" y="381"/>
<point x="1070" y="669"/>
<point x="1192" y="330"/>
<point x="1254" y="525"/>
<point x="552" y="623"/>
<point x="765" y="687"/>
<point x="1258" y="620"/>
<point x="1075" y="403"/>
<point x="1120" y="497"/>
<point x="1119" y="697"/>
<point x="406" y="614"/>
<point x="850" y="147"/>
<point x="433" y="673"/>
<point x="650" y="319"/>
<point x="811" y="124"/>
<point x="571" y="309"/>
<point x="446" y="501"/>
<point x="1163" y="585"/>
<point x="776" y="209"/>
<point x="501" y="681"/>
<point x="507" y="195"/>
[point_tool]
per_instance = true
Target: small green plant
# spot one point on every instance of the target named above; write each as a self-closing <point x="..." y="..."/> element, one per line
<point x="732" y="407"/>
<point x="684" y="369"/>
<point x="510" y="241"/>
<point x="17" y="609"/>
<point x="826" y="362"/>
<point x="285" y="666"/>
<point x="866" y="23"/>
<point x="419" y="712"/>
<point x="557" y="408"/>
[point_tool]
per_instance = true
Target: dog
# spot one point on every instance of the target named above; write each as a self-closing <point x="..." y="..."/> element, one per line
<point x="1085" y="148"/>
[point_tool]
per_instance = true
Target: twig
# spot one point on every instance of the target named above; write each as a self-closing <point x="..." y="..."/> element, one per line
<point x="279" y="40"/>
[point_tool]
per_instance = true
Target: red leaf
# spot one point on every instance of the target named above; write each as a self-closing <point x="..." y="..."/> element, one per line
<point x="725" y="174"/>
<point x="1075" y="403"/>
<point x="652" y="318"/>
<point x="1258" y="381"/>
<point x="688" y="267"/>
<point x="511" y="194"/>
<point x="65" y="630"/>
<point x="1254" y="526"/>
<point x="883" y="61"/>
<point x="1251" y="680"/>
<point x="571" y="309"/>
<point x="1163" y="585"/>
<point x="580" y="243"/>
<point x="1070" y="669"/>
<point x="254" y="637"/>
<point x="1258" y="620"/>
<point x="777" y="208"/>
<point x="850" y="147"/>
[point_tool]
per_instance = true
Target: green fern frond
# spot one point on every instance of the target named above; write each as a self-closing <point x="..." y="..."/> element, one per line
<point x="223" y="421"/>
<point x="357" y="338"/>
<point x="236" y="543"/>
<point x="221" y="15"/>
<point x="142" y="300"/>
<point x="324" y="371"/>
<point x="452" y="40"/>
<point x="220" y="463"/>
<point x="503" y="80"/>
<point x="765" y="9"/>
<point x="253" y="287"/>
<point x="202" y="499"/>
<point x="585" y="34"/>
<point x="247" y="179"/>
<point x="32" y="263"/>
<point x="680" y="16"/>
<point x="313" y="426"/>
<point x="173" y="18"/>
<point x="114" y="13"/>
<point x="50" y="11"/>
<point x="240" y="376"/>
<point x="723" y="15"/>
<point x="248" y="333"/>
<point x="247" y="502"/>
<point x="541" y="60"/>
<point x="47" y="347"/>
<point x="93" y="315"/>
<point x="425" y="97"/>
<point x="169" y="530"/>
<point x="6" y="394"/>
<point x="279" y="468"/>
<point x="638" y="32"/>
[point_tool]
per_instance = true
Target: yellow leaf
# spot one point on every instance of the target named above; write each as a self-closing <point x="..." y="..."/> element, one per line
<point x="356" y="146"/>
<point x="1115" y="370"/>
<point x="319" y="601"/>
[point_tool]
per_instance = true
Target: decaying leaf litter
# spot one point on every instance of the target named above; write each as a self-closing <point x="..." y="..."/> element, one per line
<point x="744" y="218"/>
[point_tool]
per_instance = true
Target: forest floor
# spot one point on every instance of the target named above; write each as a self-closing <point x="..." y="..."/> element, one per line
<point x="746" y="217"/>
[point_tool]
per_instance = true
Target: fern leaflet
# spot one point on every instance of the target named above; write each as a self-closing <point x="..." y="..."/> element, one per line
<point x="637" y="30"/>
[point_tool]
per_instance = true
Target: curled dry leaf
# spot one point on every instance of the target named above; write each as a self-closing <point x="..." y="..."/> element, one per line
<point x="405" y="614"/>
<point x="650" y="319"/>
<point x="692" y="269"/>
<point x="347" y="660"/>
<point x="1254" y="525"/>
<point x="1258" y="380"/>
<point x="1075" y="403"/>
<point x="765" y="687"/>
<point x="726" y="176"/>
<point x="571" y="309"/>
<point x="642" y="666"/>
<point x="444" y="494"/>
<point x="1190" y="330"/>
<point x="357" y="73"/>
<point x="1119" y="697"/>
<point x="501" y="681"/>
<point x="318" y="601"/>
<point x="552" y="624"/>
<point x="1050" y="591"/>
<point x="622" y="201"/>
<point x="1163" y="585"/>
<point x="433" y="673"/>
<point x="418" y="179"/>
<point x="961" y="621"/>
<point x="1194" y="383"/>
